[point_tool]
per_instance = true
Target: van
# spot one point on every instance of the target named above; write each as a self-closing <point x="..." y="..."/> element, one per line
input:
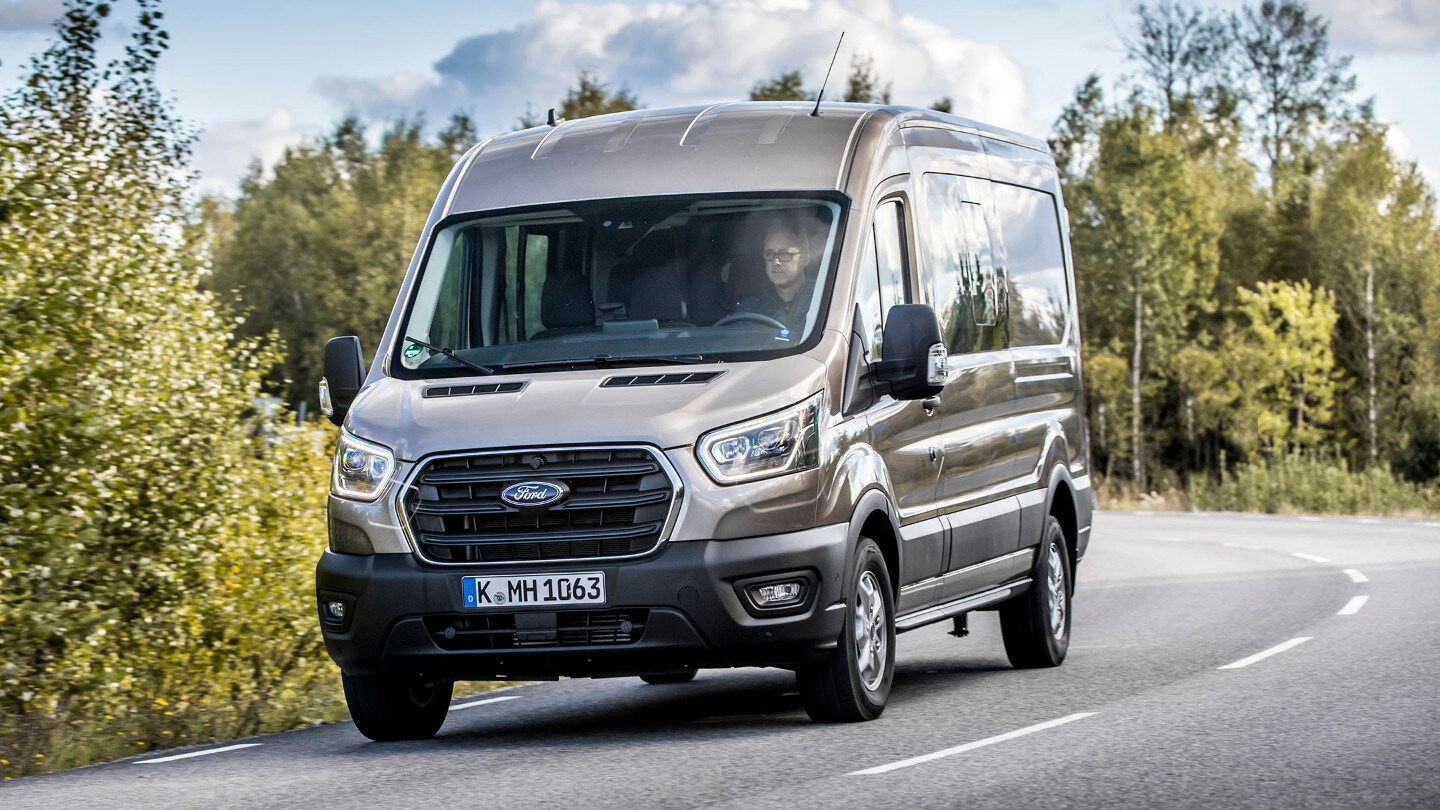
<point x="752" y="384"/>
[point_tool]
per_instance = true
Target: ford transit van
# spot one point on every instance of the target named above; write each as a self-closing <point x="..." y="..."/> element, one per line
<point x="738" y="385"/>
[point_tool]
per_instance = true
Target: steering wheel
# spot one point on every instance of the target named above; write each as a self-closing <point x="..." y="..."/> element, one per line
<point x="754" y="317"/>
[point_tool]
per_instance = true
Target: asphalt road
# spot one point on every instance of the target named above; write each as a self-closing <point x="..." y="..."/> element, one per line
<point x="1162" y="703"/>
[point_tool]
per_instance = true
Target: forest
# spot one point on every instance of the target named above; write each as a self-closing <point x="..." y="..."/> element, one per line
<point x="1259" y="282"/>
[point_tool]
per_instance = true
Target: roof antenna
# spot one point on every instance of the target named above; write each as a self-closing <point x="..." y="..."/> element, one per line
<point x="816" y="112"/>
<point x="554" y="120"/>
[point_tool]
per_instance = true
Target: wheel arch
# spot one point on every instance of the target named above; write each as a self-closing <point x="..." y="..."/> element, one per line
<point x="873" y="517"/>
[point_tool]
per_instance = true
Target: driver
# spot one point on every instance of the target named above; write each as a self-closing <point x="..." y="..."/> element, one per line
<point x="787" y="298"/>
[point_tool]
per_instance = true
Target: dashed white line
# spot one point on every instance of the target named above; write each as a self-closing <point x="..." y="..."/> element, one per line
<point x="960" y="749"/>
<point x="1356" y="576"/>
<point x="473" y="704"/>
<point x="1310" y="557"/>
<point x="204" y="753"/>
<point x="1367" y="521"/>
<point x="1263" y="654"/>
<point x="1353" y="606"/>
<point x="1310" y="519"/>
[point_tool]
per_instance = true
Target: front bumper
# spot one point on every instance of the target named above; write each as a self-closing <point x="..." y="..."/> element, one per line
<point x="398" y="608"/>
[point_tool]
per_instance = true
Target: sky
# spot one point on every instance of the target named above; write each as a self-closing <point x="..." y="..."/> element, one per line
<point x="258" y="76"/>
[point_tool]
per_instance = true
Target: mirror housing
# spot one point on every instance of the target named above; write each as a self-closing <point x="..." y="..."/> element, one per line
<point x="919" y="365"/>
<point x="344" y="375"/>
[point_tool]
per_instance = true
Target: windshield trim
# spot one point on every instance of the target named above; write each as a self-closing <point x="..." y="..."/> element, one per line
<point x="395" y="366"/>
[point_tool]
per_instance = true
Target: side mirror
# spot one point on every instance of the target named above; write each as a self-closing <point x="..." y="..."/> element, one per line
<point x="915" y="367"/>
<point x="344" y="375"/>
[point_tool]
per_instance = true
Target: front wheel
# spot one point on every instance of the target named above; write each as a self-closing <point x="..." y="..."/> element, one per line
<point x="1036" y="624"/>
<point x="387" y="708"/>
<point x="852" y="682"/>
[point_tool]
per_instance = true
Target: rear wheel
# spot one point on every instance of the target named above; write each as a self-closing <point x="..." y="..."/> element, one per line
<point x="1036" y="624"/>
<point x="669" y="677"/>
<point x="852" y="682"/>
<point x="388" y="708"/>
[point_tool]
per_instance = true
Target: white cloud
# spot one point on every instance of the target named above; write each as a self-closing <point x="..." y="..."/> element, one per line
<point x="1383" y="25"/>
<point x="681" y="53"/>
<point x="29" y="15"/>
<point x="225" y="151"/>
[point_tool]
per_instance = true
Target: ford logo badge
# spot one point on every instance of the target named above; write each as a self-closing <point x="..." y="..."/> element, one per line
<point x="532" y="494"/>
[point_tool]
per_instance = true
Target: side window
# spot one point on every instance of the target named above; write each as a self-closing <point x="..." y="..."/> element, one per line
<point x="530" y="250"/>
<point x="1035" y="265"/>
<point x="967" y="295"/>
<point x="979" y="267"/>
<point x="882" y="274"/>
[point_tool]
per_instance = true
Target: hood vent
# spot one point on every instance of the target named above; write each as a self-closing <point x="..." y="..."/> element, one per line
<point x="472" y="390"/>
<point x="693" y="378"/>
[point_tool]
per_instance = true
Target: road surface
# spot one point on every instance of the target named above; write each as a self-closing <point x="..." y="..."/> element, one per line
<point x="1215" y="661"/>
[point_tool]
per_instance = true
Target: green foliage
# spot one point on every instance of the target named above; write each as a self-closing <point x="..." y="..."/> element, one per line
<point x="1281" y="367"/>
<point x="1313" y="484"/>
<point x="588" y="97"/>
<point x="318" y="249"/>
<point x="788" y="86"/>
<point x="156" y="535"/>
<point x="863" y="84"/>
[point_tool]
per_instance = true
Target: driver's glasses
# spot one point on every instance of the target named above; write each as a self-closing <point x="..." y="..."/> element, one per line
<point x="784" y="256"/>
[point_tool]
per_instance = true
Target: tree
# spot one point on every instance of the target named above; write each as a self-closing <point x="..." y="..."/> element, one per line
<point x="588" y="97"/>
<point x="136" y="479"/>
<point x="863" y="84"/>
<point x="788" y="86"/>
<point x="1180" y="49"/>
<point x="1290" y="79"/>
<point x="318" y="248"/>
<point x="1145" y="238"/>
<point x="1280" y="358"/>
<point x="1076" y="138"/>
<point x="1378" y="248"/>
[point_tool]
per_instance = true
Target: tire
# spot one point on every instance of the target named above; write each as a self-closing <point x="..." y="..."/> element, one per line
<point x="386" y="709"/>
<point x="1036" y="624"/>
<point x="852" y="683"/>
<point x="669" y="677"/>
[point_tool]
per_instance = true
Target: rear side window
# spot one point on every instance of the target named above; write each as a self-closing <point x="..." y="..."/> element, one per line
<point x="1035" y="265"/>
<point x="968" y="295"/>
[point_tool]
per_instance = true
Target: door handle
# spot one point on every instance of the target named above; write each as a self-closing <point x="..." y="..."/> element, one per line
<point x="934" y="453"/>
<point x="930" y="404"/>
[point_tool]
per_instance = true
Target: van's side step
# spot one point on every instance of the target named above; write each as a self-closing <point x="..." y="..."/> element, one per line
<point x="964" y="604"/>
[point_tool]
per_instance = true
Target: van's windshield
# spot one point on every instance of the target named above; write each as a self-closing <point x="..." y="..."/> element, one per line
<point x="634" y="281"/>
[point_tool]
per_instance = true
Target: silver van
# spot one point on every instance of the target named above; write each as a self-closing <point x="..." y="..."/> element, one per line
<point x="738" y="385"/>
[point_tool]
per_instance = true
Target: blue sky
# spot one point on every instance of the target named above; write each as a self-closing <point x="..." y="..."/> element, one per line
<point x="260" y="75"/>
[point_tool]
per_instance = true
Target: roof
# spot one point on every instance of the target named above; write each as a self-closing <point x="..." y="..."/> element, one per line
<point x="743" y="146"/>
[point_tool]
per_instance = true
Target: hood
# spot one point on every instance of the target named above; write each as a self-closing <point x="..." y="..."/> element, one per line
<point x="572" y="407"/>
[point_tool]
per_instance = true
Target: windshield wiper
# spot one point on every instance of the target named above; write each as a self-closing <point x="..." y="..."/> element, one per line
<point x="450" y="353"/>
<point x="612" y="360"/>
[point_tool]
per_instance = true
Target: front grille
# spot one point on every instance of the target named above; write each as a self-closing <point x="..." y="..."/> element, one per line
<point x="618" y="501"/>
<point x="570" y="628"/>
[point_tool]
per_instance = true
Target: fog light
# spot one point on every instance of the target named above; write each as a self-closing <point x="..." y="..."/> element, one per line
<point x="335" y="611"/>
<point x="778" y="594"/>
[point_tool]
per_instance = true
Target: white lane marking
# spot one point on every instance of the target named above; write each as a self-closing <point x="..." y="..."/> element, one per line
<point x="205" y="753"/>
<point x="1310" y="557"/>
<point x="483" y="702"/>
<point x="1367" y="521"/>
<point x="1431" y="524"/>
<point x="1353" y="606"/>
<point x="960" y="749"/>
<point x="1310" y="519"/>
<point x="1356" y="576"/>
<point x="1263" y="654"/>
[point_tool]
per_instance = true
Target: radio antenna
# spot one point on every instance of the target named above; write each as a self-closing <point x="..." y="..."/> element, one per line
<point x="816" y="112"/>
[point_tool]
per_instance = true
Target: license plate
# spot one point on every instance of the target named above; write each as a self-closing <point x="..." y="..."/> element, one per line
<point x="541" y="590"/>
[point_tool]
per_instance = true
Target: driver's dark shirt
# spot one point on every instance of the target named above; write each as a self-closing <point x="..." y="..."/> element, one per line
<point x="770" y="304"/>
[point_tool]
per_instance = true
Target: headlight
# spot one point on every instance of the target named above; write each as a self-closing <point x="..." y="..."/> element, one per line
<point x="362" y="469"/>
<point x="783" y="442"/>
